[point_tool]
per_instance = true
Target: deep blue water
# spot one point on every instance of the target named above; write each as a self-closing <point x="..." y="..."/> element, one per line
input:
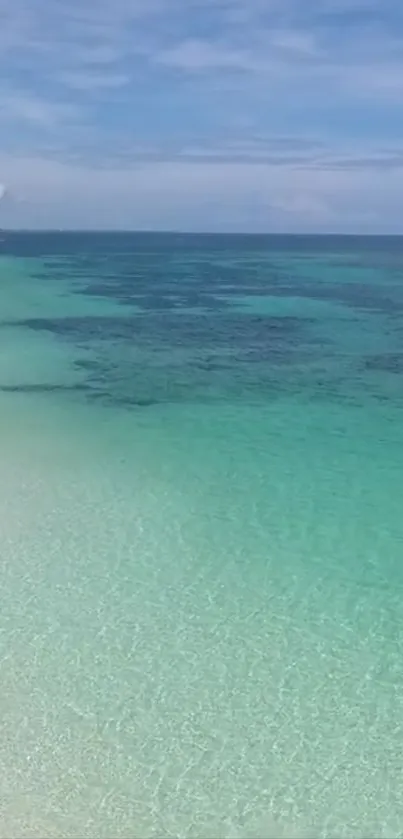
<point x="251" y="316"/>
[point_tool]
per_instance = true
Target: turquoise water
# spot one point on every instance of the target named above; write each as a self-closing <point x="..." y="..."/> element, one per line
<point x="201" y="627"/>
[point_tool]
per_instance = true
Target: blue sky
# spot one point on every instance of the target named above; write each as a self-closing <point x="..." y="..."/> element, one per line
<point x="260" y="115"/>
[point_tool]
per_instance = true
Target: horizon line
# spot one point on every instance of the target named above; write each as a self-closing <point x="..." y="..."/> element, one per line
<point x="167" y="232"/>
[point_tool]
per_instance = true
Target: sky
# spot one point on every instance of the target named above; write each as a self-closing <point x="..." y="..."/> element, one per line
<point x="212" y="115"/>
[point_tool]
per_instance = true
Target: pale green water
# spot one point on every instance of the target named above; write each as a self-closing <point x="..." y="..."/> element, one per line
<point x="201" y="593"/>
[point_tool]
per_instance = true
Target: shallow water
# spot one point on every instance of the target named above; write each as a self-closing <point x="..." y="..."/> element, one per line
<point x="201" y="579"/>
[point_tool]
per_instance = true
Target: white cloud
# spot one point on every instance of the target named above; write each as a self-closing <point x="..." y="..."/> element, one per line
<point x="296" y="43"/>
<point x="16" y="106"/>
<point x="197" y="55"/>
<point x="97" y="56"/>
<point x="88" y="81"/>
<point x="175" y="194"/>
<point x="381" y="79"/>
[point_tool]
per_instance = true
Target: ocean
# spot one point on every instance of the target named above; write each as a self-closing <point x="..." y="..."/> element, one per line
<point x="201" y="584"/>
